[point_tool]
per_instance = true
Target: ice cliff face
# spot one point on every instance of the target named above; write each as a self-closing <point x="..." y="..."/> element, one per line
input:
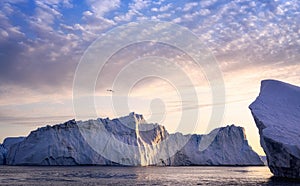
<point x="276" y="112"/>
<point x="8" y="142"/>
<point x="2" y="155"/>
<point x="127" y="140"/>
<point x="57" y="145"/>
<point x="229" y="147"/>
<point x="130" y="141"/>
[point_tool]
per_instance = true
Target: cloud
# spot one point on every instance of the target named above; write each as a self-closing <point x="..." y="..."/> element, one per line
<point x="41" y="47"/>
<point x="230" y="29"/>
<point x="159" y="2"/>
<point x="127" y="17"/>
<point x="15" y="1"/>
<point x="162" y="8"/>
<point x="93" y="26"/>
<point x="176" y="20"/>
<point x="134" y="10"/>
<point x="137" y="5"/>
<point x="104" y="6"/>
<point x="42" y="62"/>
<point x="45" y="16"/>
<point x="6" y="28"/>
<point x="207" y="3"/>
<point x="204" y="12"/>
<point x="189" y="6"/>
<point x="238" y="32"/>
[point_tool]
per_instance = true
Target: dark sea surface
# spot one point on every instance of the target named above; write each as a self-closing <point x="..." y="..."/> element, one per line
<point x="99" y="175"/>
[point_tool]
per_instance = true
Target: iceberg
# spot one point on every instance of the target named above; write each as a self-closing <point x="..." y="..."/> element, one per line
<point x="54" y="145"/>
<point x="2" y="155"/>
<point x="229" y="147"/>
<point x="129" y="141"/>
<point x="276" y="112"/>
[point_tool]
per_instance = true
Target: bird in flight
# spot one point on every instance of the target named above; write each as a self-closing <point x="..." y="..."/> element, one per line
<point x="110" y="90"/>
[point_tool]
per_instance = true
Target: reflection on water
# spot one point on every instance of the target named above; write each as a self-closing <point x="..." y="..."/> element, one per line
<point x="97" y="175"/>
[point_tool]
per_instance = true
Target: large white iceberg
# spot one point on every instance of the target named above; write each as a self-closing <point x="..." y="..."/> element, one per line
<point x="130" y="140"/>
<point x="276" y="112"/>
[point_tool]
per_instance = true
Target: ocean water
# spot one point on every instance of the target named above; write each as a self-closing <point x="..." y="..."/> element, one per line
<point x="101" y="175"/>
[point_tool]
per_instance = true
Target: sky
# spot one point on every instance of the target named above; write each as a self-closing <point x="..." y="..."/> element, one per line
<point x="42" y="44"/>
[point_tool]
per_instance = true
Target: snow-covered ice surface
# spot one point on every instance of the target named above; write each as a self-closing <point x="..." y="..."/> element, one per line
<point x="276" y="112"/>
<point x="130" y="140"/>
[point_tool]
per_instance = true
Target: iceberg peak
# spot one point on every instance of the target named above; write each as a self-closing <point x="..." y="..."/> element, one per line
<point x="275" y="90"/>
<point x="276" y="112"/>
<point x="132" y="121"/>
